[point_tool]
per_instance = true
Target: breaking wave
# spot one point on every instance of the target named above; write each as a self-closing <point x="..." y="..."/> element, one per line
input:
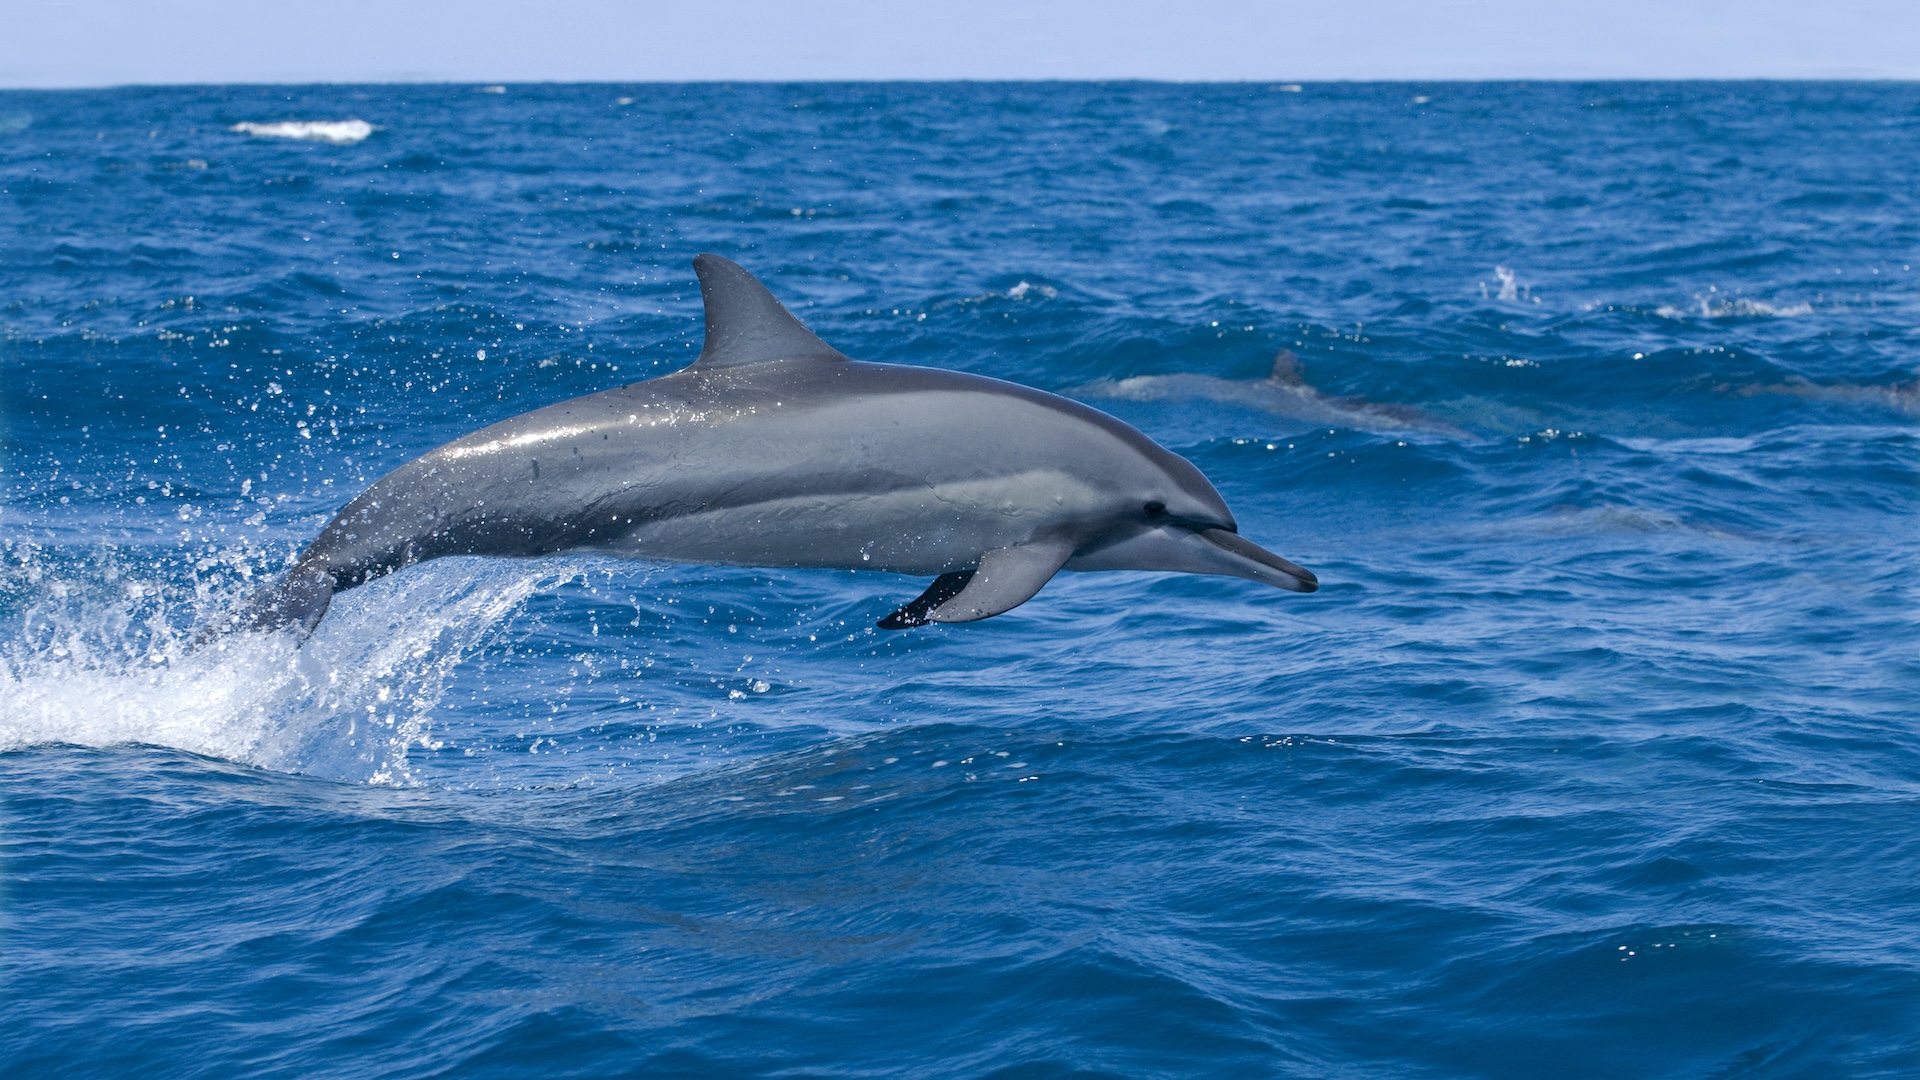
<point x="338" y="132"/>
<point x="1710" y="305"/>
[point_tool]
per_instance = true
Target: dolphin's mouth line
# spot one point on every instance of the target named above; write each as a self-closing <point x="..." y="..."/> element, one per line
<point x="1232" y="542"/>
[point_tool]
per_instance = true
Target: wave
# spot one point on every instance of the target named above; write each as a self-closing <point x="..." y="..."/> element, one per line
<point x="338" y="132"/>
<point x="1019" y="290"/>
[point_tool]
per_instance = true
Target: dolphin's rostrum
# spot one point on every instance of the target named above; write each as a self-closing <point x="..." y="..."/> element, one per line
<point x="774" y="449"/>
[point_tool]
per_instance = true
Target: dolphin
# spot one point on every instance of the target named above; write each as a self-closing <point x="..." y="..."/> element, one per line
<point x="1285" y="393"/>
<point x="774" y="449"/>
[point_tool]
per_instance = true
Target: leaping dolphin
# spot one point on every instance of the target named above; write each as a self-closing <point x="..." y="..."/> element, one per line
<point x="774" y="449"/>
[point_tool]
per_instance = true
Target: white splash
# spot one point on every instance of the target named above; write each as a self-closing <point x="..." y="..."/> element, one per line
<point x="1711" y="305"/>
<point x="338" y="132"/>
<point x="1507" y="287"/>
<point x="102" y="669"/>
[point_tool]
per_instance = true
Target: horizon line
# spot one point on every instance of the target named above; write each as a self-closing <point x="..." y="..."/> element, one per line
<point x="1276" y="83"/>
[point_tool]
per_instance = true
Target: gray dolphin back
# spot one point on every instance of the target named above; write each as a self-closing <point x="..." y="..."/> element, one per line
<point x="745" y="325"/>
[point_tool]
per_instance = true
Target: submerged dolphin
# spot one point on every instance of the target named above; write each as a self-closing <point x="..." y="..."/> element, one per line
<point x="773" y="449"/>
<point x="1284" y="392"/>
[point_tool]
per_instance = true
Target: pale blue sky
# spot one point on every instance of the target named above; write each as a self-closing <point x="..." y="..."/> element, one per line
<point x="50" y="43"/>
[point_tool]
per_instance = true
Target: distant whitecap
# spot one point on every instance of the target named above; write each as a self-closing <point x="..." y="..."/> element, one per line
<point x="339" y="132"/>
<point x="1713" y="307"/>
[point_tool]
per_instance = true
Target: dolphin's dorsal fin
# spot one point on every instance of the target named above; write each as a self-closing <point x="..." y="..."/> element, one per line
<point x="745" y="324"/>
<point x="1286" y="369"/>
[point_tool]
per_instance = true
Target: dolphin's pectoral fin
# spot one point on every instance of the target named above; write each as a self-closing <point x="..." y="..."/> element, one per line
<point x="944" y="588"/>
<point x="1006" y="579"/>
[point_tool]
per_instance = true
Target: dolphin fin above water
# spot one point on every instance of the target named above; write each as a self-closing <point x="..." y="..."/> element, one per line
<point x="775" y="449"/>
<point x="746" y="324"/>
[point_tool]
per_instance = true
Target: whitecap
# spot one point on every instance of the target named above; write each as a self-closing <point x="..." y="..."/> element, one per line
<point x="338" y="132"/>
<point x="1507" y="287"/>
<point x="1709" y="444"/>
<point x="1709" y="306"/>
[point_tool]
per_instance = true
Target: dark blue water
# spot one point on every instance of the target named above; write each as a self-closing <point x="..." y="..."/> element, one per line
<point x="1594" y="757"/>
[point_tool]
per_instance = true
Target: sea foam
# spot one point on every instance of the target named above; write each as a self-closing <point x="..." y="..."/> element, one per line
<point x="1709" y="305"/>
<point x="94" y="668"/>
<point x="338" y="132"/>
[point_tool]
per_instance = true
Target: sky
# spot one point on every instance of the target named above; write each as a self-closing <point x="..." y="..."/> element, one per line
<point x="77" y="43"/>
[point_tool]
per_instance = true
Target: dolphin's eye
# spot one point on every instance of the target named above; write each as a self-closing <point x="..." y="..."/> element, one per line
<point x="1156" y="509"/>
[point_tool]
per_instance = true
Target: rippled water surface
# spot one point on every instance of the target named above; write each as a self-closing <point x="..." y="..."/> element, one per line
<point x="1593" y="406"/>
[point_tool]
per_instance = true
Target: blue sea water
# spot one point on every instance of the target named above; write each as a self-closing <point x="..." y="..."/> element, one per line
<point x="1595" y="756"/>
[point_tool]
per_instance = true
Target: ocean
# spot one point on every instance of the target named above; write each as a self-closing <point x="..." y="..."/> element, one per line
<point x="1595" y="407"/>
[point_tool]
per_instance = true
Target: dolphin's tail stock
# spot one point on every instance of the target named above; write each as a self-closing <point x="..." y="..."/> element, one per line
<point x="298" y="600"/>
